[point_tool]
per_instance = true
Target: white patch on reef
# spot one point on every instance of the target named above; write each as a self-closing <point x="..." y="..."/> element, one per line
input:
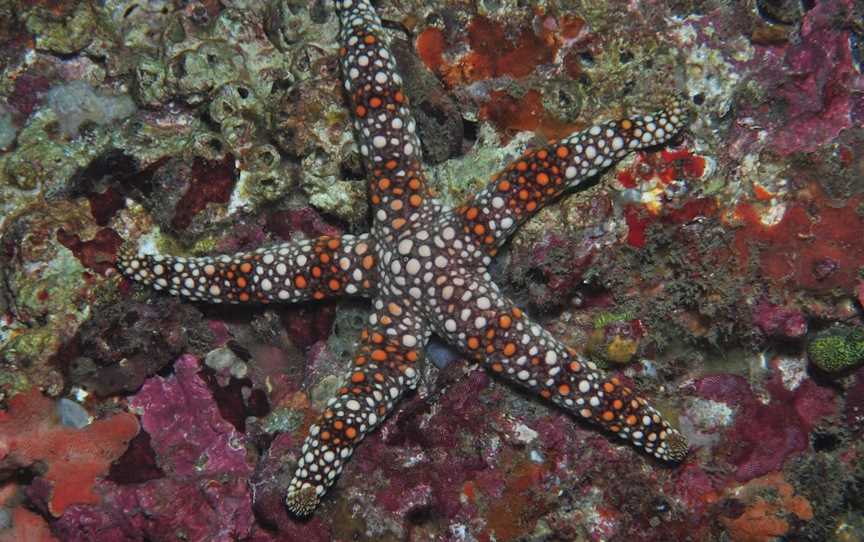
<point x="525" y="434"/>
<point x="239" y="202"/>
<point x="76" y="102"/>
<point x="536" y="457"/>
<point x="710" y="72"/>
<point x="708" y="415"/>
<point x="459" y="533"/>
<point x="793" y="371"/>
<point x="148" y="243"/>
<point x="773" y="215"/>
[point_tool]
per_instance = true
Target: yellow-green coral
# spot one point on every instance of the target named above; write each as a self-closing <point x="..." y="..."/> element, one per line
<point x="837" y="349"/>
<point x="615" y="349"/>
<point x="605" y="318"/>
<point x="621" y="350"/>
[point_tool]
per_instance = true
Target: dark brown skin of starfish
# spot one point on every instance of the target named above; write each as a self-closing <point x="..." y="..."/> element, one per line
<point x="425" y="269"/>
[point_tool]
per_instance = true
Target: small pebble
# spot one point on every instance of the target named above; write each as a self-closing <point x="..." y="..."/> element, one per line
<point x="72" y="414"/>
<point x="440" y="354"/>
<point x="239" y="370"/>
<point x="221" y="358"/>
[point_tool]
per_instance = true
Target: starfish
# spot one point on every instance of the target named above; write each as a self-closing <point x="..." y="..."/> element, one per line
<point x="425" y="268"/>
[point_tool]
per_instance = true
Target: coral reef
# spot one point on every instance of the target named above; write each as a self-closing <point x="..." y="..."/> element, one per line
<point x="837" y="349"/>
<point x="722" y="275"/>
<point x="195" y="484"/>
<point x="428" y="265"/>
<point x="126" y="342"/>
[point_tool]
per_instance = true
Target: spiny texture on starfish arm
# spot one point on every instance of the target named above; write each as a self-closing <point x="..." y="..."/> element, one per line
<point x="425" y="270"/>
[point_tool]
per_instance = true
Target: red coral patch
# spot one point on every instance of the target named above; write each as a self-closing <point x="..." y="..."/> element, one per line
<point x="98" y="253"/>
<point x="816" y="245"/>
<point x="510" y="114"/>
<point x="430" y="47"/>
<point x="637" y="223"/>
<point x="211" y="182"/>
<point x="30" y="432"/>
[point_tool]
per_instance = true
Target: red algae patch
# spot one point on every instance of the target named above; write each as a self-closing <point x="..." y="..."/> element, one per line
<point x="771" y="504"/>
<point x="211" y="182"/>
<point x="104" y="205"/>
<point x="511" y="51"/>
<point x="515" y="512"/>
<point x="511" y="114"/>
<point x="494" y="55"/>
<point x="98" y="253"/>
<point x="30" y="432"/>
<point x="816" y="245"/>
<point x="637" y="223"/>
<point x="495" y="51"/>
<point x="654" y="178"/>
<point x="430" y="46"/>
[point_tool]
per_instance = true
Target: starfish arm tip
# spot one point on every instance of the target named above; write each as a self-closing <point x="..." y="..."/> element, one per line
<point x="676" y="447"/>
<point x="677" y="105"/>
<point x="301" y="501"/>
<point x="126" y="255"/>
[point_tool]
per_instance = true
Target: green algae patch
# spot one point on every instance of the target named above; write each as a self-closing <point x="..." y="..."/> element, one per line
<point x="283" y="420"/>
<point x="837" y="349"/>
<point x="64" y="35"/>
<point x="49" y="288"/>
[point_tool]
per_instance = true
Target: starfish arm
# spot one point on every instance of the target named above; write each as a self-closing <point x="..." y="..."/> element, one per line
<point x="489" y="326"/>
<point x="288" y="272"/>
<point x="541" y="175"/>
<point x="383" y="124"/>
<point x="383" y="369"/>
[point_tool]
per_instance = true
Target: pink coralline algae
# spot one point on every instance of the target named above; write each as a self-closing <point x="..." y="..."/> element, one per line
<point x="779" y="321"/>
<point x="766" y="435"/>
<point x="821" y="87"/>
<point x="203" y="495"/>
